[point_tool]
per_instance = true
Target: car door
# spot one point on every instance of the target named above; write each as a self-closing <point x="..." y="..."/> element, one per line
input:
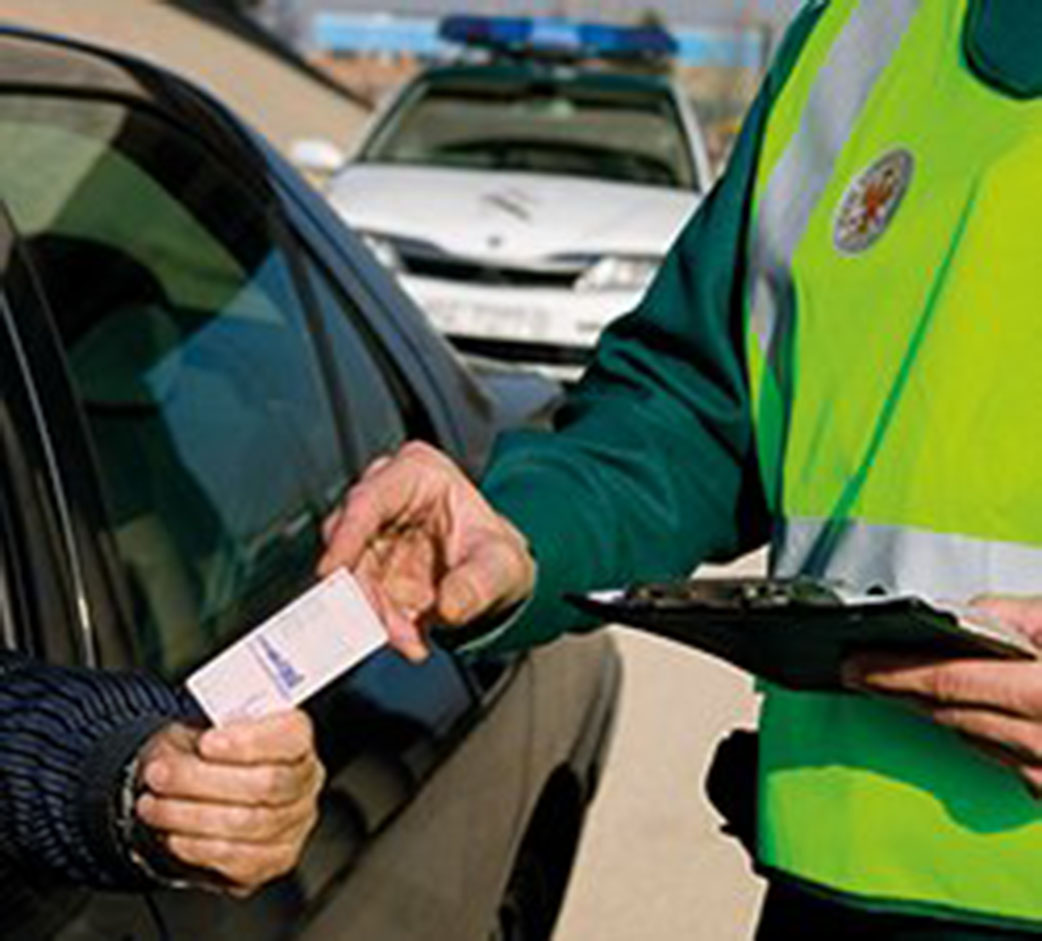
<point x="200" y="438"/>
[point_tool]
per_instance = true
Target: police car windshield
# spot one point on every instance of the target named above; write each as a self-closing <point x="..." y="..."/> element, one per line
<point x="536" y="125"/>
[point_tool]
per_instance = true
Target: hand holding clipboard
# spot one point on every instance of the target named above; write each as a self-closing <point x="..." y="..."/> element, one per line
<point x="798" y="632"/>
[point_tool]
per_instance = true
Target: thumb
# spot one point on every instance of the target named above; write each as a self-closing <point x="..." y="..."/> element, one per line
<point x="173" y="737"/>
<point x="166" y="748"/>
<point x="491" y="577"/>
<point x="1022" y="612"/>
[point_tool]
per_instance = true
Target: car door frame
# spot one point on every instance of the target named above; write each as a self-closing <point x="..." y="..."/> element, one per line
<point x="52" y="518"/>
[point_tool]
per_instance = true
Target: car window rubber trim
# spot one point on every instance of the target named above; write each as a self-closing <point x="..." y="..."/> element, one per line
<point x="83" y="613"/>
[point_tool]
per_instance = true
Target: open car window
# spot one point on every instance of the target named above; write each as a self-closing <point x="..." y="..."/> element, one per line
<point x="192" y="360"/>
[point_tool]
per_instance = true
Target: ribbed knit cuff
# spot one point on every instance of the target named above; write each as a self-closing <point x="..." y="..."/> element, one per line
<point x="104" y="774"/>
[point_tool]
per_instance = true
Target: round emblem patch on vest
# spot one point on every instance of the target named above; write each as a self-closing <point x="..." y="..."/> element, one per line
<point x="871" y="200"/>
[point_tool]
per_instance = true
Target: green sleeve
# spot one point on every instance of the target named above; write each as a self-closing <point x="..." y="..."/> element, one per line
<point x="651" y="467"/>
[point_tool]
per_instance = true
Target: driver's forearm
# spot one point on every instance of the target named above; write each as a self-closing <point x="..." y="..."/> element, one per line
<point x="65" y="737"/>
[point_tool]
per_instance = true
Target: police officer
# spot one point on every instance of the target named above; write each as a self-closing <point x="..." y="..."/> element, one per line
<point x="840" y="354"/>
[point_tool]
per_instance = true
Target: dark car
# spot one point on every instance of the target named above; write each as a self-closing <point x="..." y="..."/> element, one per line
<point x="197" y="359"/>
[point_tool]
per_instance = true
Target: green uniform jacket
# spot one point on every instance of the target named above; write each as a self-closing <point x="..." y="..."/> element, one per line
<point x="652" y="467"/>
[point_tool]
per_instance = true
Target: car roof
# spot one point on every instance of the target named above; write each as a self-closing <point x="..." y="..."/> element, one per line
<point x="527" y="70"/>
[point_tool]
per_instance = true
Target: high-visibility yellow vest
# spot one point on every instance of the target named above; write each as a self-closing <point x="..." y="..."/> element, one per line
<point x="894" y="342"/>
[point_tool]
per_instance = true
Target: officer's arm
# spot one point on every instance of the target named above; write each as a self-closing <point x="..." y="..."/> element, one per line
<point x="649" y="472"/>
<point x="652" y="468"/>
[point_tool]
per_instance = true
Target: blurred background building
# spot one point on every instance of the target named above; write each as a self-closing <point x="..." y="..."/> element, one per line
<point x="368" y="47"/>
<point x="234" y="57"/>
<point x="720" y="12"/>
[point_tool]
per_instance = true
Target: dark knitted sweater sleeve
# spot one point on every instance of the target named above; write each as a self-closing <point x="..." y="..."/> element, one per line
<point x="66" y="737"/>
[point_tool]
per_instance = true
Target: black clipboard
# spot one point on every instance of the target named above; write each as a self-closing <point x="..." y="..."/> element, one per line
<point x="797" y="632"/>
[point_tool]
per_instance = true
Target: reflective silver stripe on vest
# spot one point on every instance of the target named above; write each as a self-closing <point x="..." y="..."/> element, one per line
<point x="943" y="566"/>
<point x="860" y="53"/>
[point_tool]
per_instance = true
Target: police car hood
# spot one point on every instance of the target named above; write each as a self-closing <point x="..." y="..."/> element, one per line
<point x="519" y="215"/>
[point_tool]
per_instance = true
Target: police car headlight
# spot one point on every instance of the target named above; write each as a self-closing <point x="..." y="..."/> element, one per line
<point x="619" y="273"/>
<point x="383" y="250"/>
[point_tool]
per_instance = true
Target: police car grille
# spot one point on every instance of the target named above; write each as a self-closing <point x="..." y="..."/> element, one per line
<point x="520" y="351"/>
<point x="454" y="269"/>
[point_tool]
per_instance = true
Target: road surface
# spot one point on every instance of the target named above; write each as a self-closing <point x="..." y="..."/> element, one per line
<point x="653" y="865"/>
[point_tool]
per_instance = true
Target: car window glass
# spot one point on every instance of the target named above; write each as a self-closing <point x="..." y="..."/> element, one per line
<point x="188" y="348"/>
<point x="539" y="125"/>
<point x="377" y="410"/>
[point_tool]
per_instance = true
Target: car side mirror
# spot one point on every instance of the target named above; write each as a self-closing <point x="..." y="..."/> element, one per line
<point x="317" y="157"/>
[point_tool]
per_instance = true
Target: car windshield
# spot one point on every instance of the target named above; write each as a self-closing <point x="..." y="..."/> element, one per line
<point x="539" y="125"/>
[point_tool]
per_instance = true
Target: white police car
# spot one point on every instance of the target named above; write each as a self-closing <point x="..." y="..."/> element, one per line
<point x="525" y="201"/>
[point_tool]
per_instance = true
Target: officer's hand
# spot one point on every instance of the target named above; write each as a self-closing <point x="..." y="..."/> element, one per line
<point x="239" y="800"/>
<point x="426" y="547"/>
<point x="996" y="704"/>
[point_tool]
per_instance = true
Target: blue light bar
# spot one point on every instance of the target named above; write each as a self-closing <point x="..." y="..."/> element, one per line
<point x="556" y="37"/>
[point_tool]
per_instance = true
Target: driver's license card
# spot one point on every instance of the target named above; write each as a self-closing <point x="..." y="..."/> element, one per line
<point x="309" y="643"/>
